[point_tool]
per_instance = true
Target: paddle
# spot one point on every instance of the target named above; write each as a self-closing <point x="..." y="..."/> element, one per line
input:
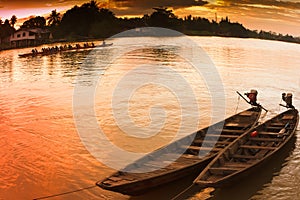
<point x="283" y="105"/>
<point x="283" y="130"/>
<point x="258" y="105"/>
<point x="287" y="106"/>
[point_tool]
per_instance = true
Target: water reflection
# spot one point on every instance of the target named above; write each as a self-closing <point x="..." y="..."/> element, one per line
<point x="41" y="152"/>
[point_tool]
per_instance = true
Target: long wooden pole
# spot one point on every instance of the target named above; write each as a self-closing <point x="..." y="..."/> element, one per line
<point x="283" y="105"/>
<point x="243" y="97"/>
<point x="249" y="101"/>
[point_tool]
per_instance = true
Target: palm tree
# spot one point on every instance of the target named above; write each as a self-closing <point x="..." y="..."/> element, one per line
<point x="92" y="4"/>
<point x="54" y="18"/>
<point x="13" y="20"/>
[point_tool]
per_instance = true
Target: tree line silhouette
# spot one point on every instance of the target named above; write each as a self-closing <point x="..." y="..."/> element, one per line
<point x="91" y="21"/>
<point x="7" y="27"/>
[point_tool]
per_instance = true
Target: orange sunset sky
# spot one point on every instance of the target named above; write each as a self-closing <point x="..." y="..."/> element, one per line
<point x="281" y="16"/>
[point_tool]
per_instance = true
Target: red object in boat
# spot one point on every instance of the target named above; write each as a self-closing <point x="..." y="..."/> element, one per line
<point x="254" y="134"/>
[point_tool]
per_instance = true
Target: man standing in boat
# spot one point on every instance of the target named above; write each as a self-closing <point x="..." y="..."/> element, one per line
<point x="252" y="96"/>
<point x="287" y="98"/>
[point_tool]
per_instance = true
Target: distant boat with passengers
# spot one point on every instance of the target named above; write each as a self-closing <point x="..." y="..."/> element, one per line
<point x="64" y="48"/>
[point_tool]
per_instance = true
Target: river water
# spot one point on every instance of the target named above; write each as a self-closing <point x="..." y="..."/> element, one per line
<point x="42" y="152"/>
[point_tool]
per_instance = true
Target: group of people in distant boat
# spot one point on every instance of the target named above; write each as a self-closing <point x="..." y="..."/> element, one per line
<point x="56" y="49"/>
<point x="34" y="51"/>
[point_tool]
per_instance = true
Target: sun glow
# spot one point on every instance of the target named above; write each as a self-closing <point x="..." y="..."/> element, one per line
<point x="262" y="6"/>
<point x="27" y="12"/>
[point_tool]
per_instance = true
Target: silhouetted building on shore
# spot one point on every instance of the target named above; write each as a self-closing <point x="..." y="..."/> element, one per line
<point x="29" y="37"/>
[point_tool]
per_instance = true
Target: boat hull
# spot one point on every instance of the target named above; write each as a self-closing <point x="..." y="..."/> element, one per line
<point x="189" y="163"/>
<point x="63" y="50"/>
<point x="141" y="187"/>
<point x="218" y="174"/>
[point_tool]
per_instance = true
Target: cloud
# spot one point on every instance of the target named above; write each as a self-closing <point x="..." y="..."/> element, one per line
<point x="264" y="9"/>
<point x="165" y="3"/>
<point x="16" y="4"/>
<point x="278" y="16"/>
<point x="276" y="3"/>
<point x="145" y="6"/>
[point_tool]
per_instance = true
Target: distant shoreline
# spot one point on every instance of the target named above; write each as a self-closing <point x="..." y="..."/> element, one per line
<point x="92" y="22"/>
<point x="101" y="39"/>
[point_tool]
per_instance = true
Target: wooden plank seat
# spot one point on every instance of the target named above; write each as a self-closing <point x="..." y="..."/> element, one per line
<point x="222" y="136"/>
<point x="190" y="156"/>
<point x="226" y="130"/>
<point x="236" y="164"/>
<point x="274" y="127"/>
<point x="223" y="170"/>
<point x="289" y="117"/>
<point x="272" y="134"/>
<point x="154" y="164"/>
<point x="231" y="124"/>
<point x="277" y="124"/>
<point x="234" y="124"/>
<point x="262" y="153"/>
<point x="115" y="178"/>
<point x="259" y="139"/>
<point x="182" y="162"/>
<point x="243" y="156"/>
<point x="257" y="147"/>
<point x="184" y="155"/>
<point x="202" y="148"/>
<point x="268" y="133"/>
<point x="200" y="141"/>
<point x="157" y="167"/>
<point x="247" y="113"/>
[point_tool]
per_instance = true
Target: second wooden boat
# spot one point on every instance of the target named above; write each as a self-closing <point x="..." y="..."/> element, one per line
<point x="53" y="50"/>
<point x="199" y="149"/>
<point x="250" y="151"/>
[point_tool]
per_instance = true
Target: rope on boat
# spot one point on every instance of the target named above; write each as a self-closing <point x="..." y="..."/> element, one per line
<point x="279" y="105"/>
<point x="238" y="103"/>
<point x="64" y="193"/>
<point x="181" y="193"/>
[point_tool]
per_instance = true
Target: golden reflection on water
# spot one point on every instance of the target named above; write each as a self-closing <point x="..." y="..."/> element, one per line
<point x="146" y="97"/>
<point x="139" y="111"/>
<point x="41" y="152"/>
<point x="39" y="142"/>
<point x="204" y="194"/>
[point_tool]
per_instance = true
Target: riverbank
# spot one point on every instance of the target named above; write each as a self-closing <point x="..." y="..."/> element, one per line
<point x="275" y="37"/>
<point x="66" y="41"/>
<point x="189" y="33"/>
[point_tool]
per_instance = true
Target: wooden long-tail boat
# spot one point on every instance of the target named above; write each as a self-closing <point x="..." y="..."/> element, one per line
<point x="250" y="151"/>
<point x="59" y="50"/>
<point x="55" y="51"/>
<point x="194" y="152"/>
<point x="105" y="45"/>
